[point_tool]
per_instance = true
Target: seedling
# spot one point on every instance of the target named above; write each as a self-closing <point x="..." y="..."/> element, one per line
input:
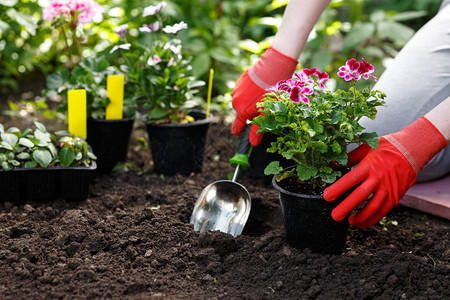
<point x="384" y="222"/>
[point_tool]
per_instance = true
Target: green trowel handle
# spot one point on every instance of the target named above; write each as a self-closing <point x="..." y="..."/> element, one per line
<point x="243" y="150"/>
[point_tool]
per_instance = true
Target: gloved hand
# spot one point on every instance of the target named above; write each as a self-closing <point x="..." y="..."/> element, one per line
<point x="250" y="88"/>
<point x="385" y="173"/>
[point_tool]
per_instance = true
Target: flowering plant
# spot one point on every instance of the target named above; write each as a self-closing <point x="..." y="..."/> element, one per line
<point x="66" y="15"/>
<point x="90" y="73"/>
<point x="157" y="74"/>
<point x="314" y="126"/>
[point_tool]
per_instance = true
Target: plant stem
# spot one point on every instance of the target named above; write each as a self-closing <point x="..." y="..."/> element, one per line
<point x="67" y="46"/>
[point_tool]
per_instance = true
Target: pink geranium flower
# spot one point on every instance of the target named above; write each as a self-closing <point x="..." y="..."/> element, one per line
<point x="322" y="78"/>
<point x="298" y="93"/>
<point x="85" y="10"/>
<point x="355" y="70"/>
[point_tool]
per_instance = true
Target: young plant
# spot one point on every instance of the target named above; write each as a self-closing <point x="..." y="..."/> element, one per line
<point x="156" y="71"/>
<point x="28" y="149"/>
<point x="74" y="151"/>
<point x="314" y="126"/>
<point x="36" y="149"/>
<point x="91" y="75"/>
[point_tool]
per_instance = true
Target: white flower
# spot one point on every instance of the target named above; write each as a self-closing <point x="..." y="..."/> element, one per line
<point x="154" y="9"/>
<point x="123" y="46"/>
<point x="175" y="28"/>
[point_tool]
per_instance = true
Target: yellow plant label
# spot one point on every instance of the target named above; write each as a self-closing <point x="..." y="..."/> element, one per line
<point x="77" y="112"/>
<point x="114" y="88"/>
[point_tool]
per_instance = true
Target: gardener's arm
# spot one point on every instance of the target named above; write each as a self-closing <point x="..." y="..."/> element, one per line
<point x="385" y="174"/>
<point x="277" y="63"/>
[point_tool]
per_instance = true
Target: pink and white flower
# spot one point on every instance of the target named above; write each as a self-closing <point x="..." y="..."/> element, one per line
<point x="121" y="30"/>
<point x="152" y="27"/>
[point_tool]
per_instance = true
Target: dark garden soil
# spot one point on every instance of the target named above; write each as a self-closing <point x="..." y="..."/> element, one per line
<point x="131" y="239"/>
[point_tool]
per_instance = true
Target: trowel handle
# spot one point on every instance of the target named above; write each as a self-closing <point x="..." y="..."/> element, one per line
<point x="243" y="150"/>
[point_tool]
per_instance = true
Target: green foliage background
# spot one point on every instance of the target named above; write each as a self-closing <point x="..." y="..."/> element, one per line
<point x="225" y="35"/>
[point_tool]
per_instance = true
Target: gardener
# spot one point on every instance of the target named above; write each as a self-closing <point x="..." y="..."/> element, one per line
<point x="417" y="85"/>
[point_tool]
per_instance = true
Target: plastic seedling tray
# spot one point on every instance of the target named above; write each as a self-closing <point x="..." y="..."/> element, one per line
<point x="46" y="184"/>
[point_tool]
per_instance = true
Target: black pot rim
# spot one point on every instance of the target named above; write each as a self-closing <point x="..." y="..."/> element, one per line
<point x="282" y="190"/>
<point x="112" y="120"/>
<point x="195" y="123"/>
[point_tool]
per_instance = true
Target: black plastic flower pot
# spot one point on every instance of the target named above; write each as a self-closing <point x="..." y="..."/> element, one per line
<point x="308" y="223"/>
<point x="179" y="148"/>
<point x="109" y="140"/>
<point x="260" y="158"/>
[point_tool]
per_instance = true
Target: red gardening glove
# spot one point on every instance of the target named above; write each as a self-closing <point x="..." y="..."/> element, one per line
<point x="272" y="67"/>
<point x="385" y="173"/>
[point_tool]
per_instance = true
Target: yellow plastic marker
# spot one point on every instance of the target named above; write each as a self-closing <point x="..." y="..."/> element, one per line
<point x="77" y="112"/>
<point x="208" y="102"/>
<point x="114" y="88"/>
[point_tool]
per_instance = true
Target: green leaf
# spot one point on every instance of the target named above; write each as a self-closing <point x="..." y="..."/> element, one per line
<point x="66" y="156"/>
<point x="2" y="128"/>
<point x="13" y="130"/>
<point x="42" y="136"/>
<point x="40" y="126"/>
<point x="30" y="164"/>
<point x="23" y="155"/>
<point x="6" y="166"/>
<point x="5" y="145"/>
<point x="371" y="139"/>
<point x="26" y="142"/>
<point x="336" y="147"/>
<point x="10" y="138"/>
<point x="330" y="178"/>
<point x="62" y="132"/>
<point x="42" y="157"/>
<point x="273" y="168"/>
<point x="57" y="80"/>
<point x="306" y="172"/>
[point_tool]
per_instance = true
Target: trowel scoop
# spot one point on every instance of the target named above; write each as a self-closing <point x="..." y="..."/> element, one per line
<point x="224" y="205"/>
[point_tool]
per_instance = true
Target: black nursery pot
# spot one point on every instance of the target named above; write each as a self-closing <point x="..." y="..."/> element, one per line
<point x="308" y="223"/>
<point x="109" y="140"/>
<point x="179" y="148"/>
<point x="260" y="158"/>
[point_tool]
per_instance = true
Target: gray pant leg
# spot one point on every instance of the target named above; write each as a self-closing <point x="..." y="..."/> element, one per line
<point x="416" y="81"/>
